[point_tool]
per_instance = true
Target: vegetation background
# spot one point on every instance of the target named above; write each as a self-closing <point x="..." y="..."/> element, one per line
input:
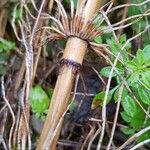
<point x="109" y="106"/>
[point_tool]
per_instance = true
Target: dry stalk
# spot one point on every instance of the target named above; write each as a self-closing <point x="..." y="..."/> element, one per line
<point x="3" y="127"/>
<point x="3" y="19"/>
<point x="94" y="137"/>
<point x="134" y="137"/>
<point x="72" y="60"/>
<point x="140" y="144"/>
<point x="11" y="111"/>
<point x="22" y="126"/>
<point x="89" y="135"/>
<point x="116" y="116"/>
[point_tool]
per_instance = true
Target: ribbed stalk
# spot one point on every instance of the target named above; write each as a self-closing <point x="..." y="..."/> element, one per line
<point x="61" y="95"/>
<point x="75" y="51"/>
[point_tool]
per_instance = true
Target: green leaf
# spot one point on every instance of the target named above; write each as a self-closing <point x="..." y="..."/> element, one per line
<point x="128" y="131"/>
<point x="144" y="137"/>
<point x="16" y="13"/>
<point x="146" y="52"/>
<point x="99" y="98"/>
<point x="138" y="119"/>
<point x="136" y="122"/>
<point x="132" y="65"/>
<point x="62" y="43"/>
<point x="6" y="46"/>
<point x="123" y="38"/>
<point x="68" y="2"/>
<point x="141" y="61"/>
<point x="98" y="40"/>
<point x="133" y="10"/>
<point x="137" y="11"/>
<point x="146" y="78"/>
<point x="129" y="105"/>
<point x="133" y="78"/>
<point x="39" y="100"/>
<point x="114" y="46"/>
<point x="144" y="94"/>
<point x="139" y="58"/>
<point x="106" y="72"/>
<point x="139" y="67"/>
<point x="132" y="113"/>
<point x="126" y="117"/>
<point x="124" y="94"/>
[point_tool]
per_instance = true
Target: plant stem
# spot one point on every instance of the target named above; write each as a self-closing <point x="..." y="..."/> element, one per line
<point x="61" y="95"/>
<point x="75" y="51"/>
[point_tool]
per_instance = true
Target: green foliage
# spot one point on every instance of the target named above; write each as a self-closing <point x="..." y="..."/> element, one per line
<point x="136" y="11"/>
<point x="99" y="98"/>
<point x="106" y="71"/>
<point x="5" y="49"/>
<point x="142" y="93"/>
<point x="15" y="12"/>
<point x="115" y="47"/>
<point x="68" y="2"/>
<point x="136" y="72"/>
<point x="144" y="137"/>
<point x="39" y="101"/>
<point x="6" y="46"/>
<point x="141" y="23"/>
<point x="98" y="40"/>
<point x="132" y="113"/>
<point x="129" y="105"/>
<point x="139" y="67"/>
<point x="128" y="131"/>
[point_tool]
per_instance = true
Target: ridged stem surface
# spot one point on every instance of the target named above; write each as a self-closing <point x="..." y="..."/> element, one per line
<point x="75" y="51"/>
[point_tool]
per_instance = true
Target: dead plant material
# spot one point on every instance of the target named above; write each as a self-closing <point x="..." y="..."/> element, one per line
<point x="3" y="17"/>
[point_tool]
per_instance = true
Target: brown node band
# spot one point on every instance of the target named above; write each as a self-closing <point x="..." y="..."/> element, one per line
<point x="70" y="63"/>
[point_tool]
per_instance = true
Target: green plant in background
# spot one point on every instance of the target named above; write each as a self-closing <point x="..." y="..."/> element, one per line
<point x="120" y="67"/>
<point x="139" y="67"/>
<point x="39" y="101"/>
<point x="6" y="47"/>
<point x="136" y="72"/>
<point x="139" y="25"/>
<point x="15" y="12"/>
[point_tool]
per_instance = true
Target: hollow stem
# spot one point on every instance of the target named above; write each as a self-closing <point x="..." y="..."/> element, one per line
<point x="74" y="51"/>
